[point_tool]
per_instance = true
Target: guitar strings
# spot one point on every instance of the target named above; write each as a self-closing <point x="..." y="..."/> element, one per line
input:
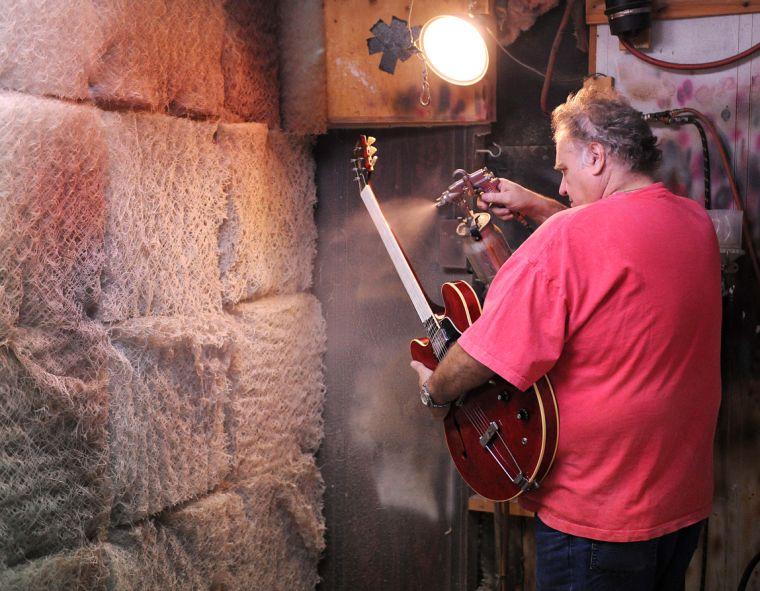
<point x="497" y="456"/>
<point x="498" y="433"/>
<point x="477" y="417"/>
<point x="477" y="423"/>
<point x="473" y="417"/>
<point x="440" y="347"/>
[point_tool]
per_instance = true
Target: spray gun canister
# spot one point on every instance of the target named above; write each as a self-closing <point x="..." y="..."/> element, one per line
<point x="484" y="245"/>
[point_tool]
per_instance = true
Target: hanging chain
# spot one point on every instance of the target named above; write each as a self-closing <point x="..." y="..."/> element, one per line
<point x="425" y="92"/>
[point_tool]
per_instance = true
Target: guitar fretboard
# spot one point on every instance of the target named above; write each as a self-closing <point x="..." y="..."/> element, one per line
<point x="405" y="273"/>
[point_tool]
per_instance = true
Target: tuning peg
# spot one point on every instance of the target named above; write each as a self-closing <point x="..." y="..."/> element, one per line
<point x="370" y="141"/>
<point x="372" y="160"/>
<point x="371" y="150"/>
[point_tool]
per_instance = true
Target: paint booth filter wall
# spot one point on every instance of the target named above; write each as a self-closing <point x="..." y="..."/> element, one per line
<point x="161" y="381"/>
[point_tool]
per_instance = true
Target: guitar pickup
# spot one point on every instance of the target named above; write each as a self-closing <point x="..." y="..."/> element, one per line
<point x="490" y="433"/>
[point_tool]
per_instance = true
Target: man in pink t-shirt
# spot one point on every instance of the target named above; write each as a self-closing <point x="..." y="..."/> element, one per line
<point x="618" y="301"/>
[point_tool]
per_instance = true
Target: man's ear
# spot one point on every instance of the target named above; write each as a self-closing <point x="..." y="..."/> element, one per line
<point x="596" y="157"/>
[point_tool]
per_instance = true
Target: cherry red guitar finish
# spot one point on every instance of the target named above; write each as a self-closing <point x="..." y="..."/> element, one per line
<point x="461" y="306"/>
<point x="520" y="450"/>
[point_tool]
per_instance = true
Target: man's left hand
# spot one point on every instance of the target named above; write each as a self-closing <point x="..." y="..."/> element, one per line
<point x="424" y="374"/>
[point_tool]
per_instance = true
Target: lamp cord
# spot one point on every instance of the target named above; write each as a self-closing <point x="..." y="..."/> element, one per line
<point x="409" y="25"/>
<point x="519" y="62"/>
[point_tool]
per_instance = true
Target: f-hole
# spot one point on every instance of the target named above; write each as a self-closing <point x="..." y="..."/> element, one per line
<point x="459" y="432"/>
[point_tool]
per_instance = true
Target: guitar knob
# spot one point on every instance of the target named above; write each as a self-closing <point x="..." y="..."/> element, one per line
<point x="522" y="414"/>
<point x="503" y="397"/>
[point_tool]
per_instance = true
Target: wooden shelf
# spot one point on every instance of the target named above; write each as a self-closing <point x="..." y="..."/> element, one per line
<point x="478" y="503"/>
<point x="669" y="9"/>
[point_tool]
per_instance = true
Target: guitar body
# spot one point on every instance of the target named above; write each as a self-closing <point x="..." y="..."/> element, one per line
<point x="502" y="440"/>
<point x="520" y="451"/>
<point x="523" y="448"/>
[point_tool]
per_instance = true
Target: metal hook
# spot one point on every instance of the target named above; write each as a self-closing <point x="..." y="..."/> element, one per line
<point x="490" y="152"/>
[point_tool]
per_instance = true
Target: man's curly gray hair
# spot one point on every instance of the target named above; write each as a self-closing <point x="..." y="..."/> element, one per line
<point x="598" y="115"/>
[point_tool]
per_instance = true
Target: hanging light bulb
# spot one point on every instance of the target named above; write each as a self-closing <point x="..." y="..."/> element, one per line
<point x="454" y="50"/>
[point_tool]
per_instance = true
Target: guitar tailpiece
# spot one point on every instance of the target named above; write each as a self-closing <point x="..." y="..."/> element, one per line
<point x="524" y="484"/>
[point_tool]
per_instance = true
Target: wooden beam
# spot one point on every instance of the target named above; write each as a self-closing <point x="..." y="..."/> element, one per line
<point x="478" y="503"/>
<point x="669" y="9"/>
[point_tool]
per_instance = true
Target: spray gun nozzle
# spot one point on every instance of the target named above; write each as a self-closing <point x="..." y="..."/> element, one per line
<point x="467" y="185"/>
<point x="445" y="199"/>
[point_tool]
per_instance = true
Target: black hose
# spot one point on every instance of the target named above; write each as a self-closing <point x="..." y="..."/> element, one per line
<point x="705" y="154"/>
<point x="667" y="118"/>
<point x="748" y="572"/>
<point x="706" y="161"/>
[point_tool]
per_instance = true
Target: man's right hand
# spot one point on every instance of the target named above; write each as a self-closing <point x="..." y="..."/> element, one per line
<point x="510" y="199"/>
<point x="513" y="200"/>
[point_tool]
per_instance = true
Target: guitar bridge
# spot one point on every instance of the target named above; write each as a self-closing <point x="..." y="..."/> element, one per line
<point x="490" y="433"/>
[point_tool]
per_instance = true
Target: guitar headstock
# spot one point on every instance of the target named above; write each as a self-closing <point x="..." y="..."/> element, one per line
<point x="364" y="159"/>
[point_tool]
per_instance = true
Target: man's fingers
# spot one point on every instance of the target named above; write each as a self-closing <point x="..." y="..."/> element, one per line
<point x="503" y="213"/>
<point x="423" y="372"/>
<point x="503" y="199"/>
<point x="495" y="203"/>
<point x="493" y="199"/>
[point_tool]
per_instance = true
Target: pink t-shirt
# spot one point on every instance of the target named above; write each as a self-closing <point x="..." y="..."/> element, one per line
<point x="619" y="303"/>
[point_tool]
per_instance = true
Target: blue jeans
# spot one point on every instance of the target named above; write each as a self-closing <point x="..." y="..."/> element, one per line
<point x="570" y="563"/>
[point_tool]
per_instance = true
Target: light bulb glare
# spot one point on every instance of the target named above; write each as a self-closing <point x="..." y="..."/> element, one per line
<point x="454" y="50"/>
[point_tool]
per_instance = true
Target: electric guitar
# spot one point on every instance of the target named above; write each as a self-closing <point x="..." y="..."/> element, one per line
<point x="501" y="440"/>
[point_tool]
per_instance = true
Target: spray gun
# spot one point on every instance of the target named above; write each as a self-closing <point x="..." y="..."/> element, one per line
<point x="484" y="244"/>
<point x="468" y="187"/>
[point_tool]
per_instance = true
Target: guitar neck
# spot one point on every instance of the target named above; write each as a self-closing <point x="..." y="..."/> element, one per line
<point x="398" y="258"/>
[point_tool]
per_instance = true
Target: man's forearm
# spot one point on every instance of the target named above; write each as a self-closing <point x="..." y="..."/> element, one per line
<point x="456" y="374"/>
<point x="541" y="208"/>
<point x="512" y="199"/>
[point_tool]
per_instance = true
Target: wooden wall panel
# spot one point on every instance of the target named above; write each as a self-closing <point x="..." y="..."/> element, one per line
<point x="359" y="93"/>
